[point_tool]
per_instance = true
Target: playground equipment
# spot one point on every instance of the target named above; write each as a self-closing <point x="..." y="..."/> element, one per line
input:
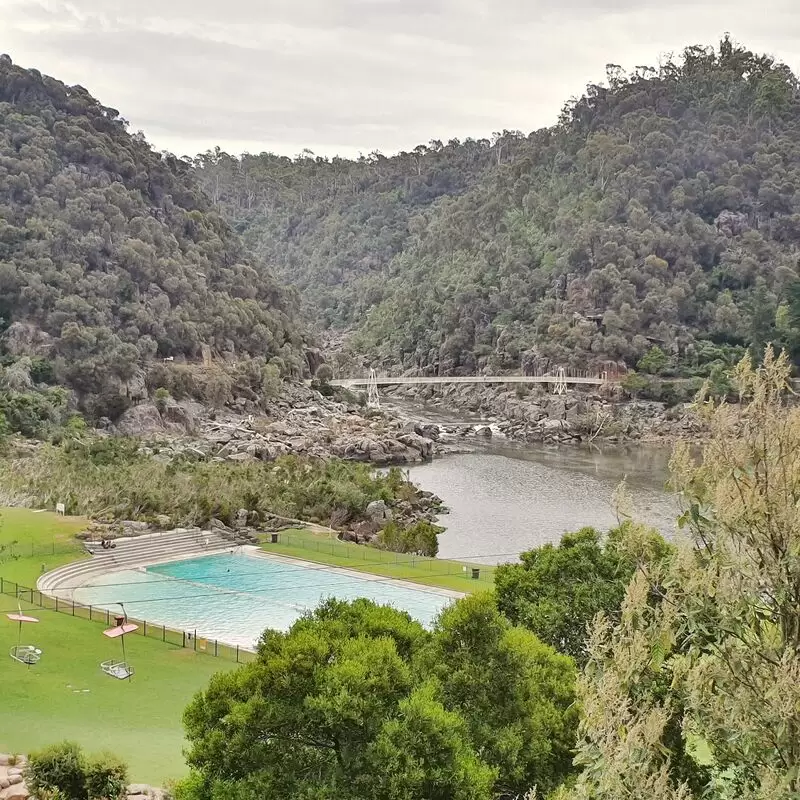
<point x="119" y="669"/>
<point x="26" y="654"/>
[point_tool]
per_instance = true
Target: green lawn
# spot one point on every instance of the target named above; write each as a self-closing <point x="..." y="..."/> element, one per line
<point x="67" y="696"/>
<point x="36" y="540"/>
<point x="140" y="720"/>
<point x="325" y="549"/>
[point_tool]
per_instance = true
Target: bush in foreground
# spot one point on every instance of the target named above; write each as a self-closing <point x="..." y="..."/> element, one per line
<point x="358" y="701"/>
<point x="63" y="771"/>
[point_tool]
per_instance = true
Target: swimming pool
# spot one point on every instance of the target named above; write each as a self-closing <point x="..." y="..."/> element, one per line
<point x="233" y="597"/>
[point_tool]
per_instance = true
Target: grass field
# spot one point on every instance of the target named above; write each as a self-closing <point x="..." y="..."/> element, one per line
<point x="66" y="695"/>
<point x="35" y="540"/>
<point x="325" y="549"/>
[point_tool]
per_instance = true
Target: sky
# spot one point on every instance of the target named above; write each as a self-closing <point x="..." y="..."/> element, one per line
<point x="352" y="76"/>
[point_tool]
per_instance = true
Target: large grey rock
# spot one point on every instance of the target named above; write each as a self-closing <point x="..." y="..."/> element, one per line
<point x="180" y="417"/>
<point x="140" y="420"/>
<point x="24" y="339"/>
<point x="17" y="791"/>
<point x="732" y="223"/>
<point x="378" y="511"/>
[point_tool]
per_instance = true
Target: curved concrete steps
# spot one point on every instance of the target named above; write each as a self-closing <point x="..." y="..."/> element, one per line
<point x="132" y="553"/>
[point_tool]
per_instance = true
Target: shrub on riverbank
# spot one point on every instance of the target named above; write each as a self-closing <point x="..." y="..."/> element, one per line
<point x="111" y="479"/>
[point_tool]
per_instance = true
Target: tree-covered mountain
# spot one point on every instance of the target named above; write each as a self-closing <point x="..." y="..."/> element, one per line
<point x="111" y="255"/>
<point x="663" y="208"/>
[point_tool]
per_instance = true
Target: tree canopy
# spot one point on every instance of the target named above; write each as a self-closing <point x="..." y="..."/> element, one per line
<point x="359" y="701"/>
<point x="557" y="590"/>
<point x="661" y="210"/>
<point x="110" y="253"/>
<point x="711" y="636"/>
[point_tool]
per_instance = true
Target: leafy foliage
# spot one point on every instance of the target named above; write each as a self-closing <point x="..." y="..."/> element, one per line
<point x="421" y="538"/>
<point x="358" y="701"/>
<point x="63" y="771"/>
<point x="661" y="210"/>
<point x="111" y="478"/>
<point x="556" y="591"/>
<point x="711" y="637"/>
<point x="110" y="254"/>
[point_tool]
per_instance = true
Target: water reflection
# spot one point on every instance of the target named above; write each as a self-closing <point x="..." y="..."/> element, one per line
<point x="504" y="500"/>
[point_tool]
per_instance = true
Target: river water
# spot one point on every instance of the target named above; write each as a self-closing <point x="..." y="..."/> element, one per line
<point x="504" y="498"/>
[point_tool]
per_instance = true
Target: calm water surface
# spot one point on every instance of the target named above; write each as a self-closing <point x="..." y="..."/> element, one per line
<point x="504" y="500"/>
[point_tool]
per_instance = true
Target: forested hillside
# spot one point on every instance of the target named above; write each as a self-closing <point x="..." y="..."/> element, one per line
<point x="111" y="255"/>
<point x="662" y="209"/>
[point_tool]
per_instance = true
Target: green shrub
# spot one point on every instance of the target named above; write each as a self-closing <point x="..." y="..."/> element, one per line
<point x="58" y="767"/>
<point x="106" y="777"/>
<point x="161" y="396"/>
<point x="62" y="772"/>
<point x="421" y="538"/>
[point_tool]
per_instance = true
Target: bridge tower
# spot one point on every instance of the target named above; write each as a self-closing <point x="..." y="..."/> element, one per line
<point x="373" y="398"/>
<point x="560" y="386"/>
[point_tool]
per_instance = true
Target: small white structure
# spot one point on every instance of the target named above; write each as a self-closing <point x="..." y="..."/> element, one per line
<point x="120" y="670"/>
<point x="61" y="509"/>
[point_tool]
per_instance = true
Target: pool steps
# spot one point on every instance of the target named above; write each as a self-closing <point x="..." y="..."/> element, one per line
<point x="132" y="553"/>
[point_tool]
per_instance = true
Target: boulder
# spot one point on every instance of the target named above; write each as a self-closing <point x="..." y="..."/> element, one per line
<point x="179" y="417"/>
<point x="553" y="424"/>
<point x="240" y="457"/>
<point x="431" y="432"/>
<point x="378" y="511"/>
<point x="419" y="443"/>
<point x="16" y="792"/>
<point x="24" y="339"/>
<point x="140" y="420"/>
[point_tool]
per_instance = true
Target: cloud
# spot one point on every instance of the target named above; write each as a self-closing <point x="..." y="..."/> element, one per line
<point x="343" y="76"/>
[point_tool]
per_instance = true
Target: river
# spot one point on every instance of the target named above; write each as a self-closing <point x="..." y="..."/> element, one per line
<point x="505" y="498"/>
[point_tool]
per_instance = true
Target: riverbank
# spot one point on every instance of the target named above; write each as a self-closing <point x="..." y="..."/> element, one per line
<point x="301" y="422"/>
<point x="535" y="416"/>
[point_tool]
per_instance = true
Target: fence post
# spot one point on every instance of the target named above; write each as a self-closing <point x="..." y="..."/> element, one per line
<point x="184" y="639"/>
<point x="56" y="602"/>
<point x="144" y="627"/>
<point x="108" y="620"/>
<point x="73" y="608"/>
<point x="90" y="613"/>
<point x="237" y="653"/>
<point x="194" y="640"/>
<point x="163" y="633"/>
<point x="215" y="647"/>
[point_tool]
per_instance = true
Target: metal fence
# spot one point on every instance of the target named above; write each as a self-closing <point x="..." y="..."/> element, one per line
<point x="18" y="550"/>
<point x="189" y="640"/>
<point x="360" y="556"/>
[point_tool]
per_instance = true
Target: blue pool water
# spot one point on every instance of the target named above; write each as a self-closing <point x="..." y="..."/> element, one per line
<point x="234" y="597"/>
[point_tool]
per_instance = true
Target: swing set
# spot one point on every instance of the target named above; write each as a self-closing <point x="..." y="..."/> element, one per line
<point x="29" y="654"/>
<point x="121" y="670"/>
<point x="26" y="654"/>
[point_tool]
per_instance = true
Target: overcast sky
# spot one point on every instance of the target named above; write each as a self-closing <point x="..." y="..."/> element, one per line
<point x="350" y="76"/>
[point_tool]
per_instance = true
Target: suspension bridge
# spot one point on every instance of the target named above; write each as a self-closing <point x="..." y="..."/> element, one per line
<point x="559" y="378"/>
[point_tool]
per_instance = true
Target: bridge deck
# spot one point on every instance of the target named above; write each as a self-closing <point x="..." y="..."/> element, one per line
<point x="592" y="380"/>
